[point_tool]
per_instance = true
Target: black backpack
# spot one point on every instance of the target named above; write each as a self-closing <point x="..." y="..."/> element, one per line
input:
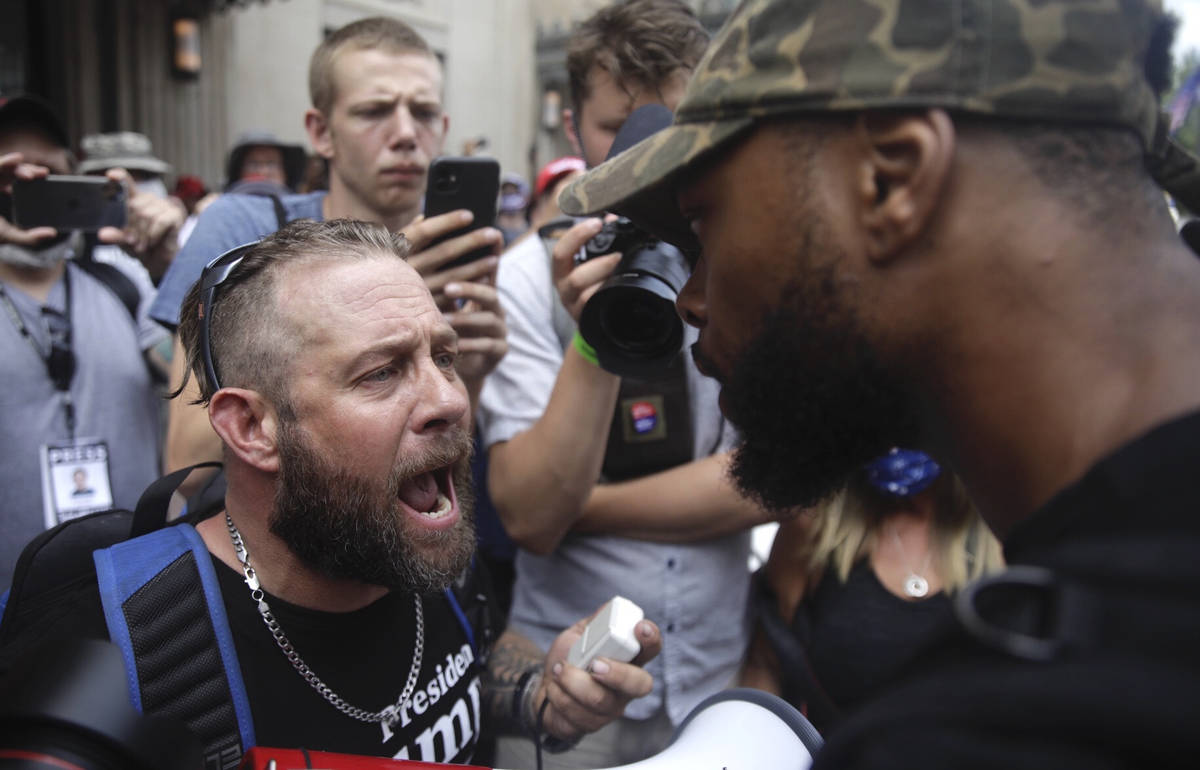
<point x="176" y="642"/>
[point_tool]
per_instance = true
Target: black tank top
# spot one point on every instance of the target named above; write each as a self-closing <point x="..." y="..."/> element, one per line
<point x="863" y="636"/>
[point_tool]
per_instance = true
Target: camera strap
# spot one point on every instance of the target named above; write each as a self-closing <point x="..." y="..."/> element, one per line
<point x="59" y="358"/>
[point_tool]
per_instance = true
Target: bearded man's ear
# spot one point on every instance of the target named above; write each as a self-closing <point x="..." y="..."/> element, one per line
<point x="247" y="424"/>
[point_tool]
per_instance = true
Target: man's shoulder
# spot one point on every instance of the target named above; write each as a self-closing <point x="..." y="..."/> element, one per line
<point x="231" y="220"/>
<point x="257" y="213"/>
<point x="988" y="711"/>
<point x="525" y="263"/>
<point x="303" y="205"/>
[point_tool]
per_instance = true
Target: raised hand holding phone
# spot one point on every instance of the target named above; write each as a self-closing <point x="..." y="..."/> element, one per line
<point x="456" y="251"/>
<point x="467" y="183"/>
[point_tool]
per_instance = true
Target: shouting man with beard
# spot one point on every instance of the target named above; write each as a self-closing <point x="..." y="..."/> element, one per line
<point x="329" y="373"/>
<point x="943" y="225"/>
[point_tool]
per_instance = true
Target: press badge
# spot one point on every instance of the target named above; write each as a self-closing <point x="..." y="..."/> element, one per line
<point x="75" y="479"/>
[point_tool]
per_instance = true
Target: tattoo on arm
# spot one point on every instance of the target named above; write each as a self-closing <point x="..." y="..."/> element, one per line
<point x="511" y="657"/>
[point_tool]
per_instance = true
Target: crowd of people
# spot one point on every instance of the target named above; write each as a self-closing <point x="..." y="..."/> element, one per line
<point x="936" y="325"/>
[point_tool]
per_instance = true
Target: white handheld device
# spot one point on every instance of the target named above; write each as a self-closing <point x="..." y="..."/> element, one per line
<point x="610" y="634"/>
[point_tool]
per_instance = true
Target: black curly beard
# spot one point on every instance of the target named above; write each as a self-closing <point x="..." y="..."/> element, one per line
<point x="812" y="400"/>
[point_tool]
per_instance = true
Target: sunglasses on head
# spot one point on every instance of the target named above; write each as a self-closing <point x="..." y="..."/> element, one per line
<point x="215" y="274"/>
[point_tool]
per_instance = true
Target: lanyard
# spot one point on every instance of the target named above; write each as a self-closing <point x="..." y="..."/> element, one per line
<point x="60" y="359"/>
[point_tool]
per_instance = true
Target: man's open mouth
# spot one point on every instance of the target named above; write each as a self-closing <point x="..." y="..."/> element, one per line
<point x="430" y="493"/>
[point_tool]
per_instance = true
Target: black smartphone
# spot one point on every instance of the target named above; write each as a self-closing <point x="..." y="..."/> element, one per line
<point x="463" y="183"/>
<point x="68" y="203"/>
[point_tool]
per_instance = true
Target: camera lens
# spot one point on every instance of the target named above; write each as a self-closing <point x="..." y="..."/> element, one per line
<point x="641" y="324"/>
<point x="631" y="321"/>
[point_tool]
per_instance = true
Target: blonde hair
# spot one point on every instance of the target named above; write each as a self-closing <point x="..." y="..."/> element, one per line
<point x="847" y="530"/>
<point x="377" y="32"/>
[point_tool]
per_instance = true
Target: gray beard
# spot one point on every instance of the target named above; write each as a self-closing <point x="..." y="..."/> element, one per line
<point x="43" y="258"/>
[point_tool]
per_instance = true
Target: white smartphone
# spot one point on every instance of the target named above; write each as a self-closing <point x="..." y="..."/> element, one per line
<point x="611" y="634"/>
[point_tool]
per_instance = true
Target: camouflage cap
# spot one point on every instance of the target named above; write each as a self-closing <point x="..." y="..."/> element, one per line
<point x="1059" y="60"/>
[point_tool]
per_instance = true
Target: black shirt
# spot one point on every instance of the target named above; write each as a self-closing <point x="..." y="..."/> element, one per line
<point x="364" y="657"/>
<point x="1122" y="550"/>
<point x="863" y="636"/>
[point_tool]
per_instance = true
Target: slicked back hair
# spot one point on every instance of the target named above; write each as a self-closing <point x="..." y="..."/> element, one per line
<point x="640" y="42"/>
<point x="377" y="32"/>
<point x="252" y="344"/>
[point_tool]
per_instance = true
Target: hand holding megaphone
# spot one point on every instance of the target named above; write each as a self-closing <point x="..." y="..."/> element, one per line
<point x="580" y="699"/>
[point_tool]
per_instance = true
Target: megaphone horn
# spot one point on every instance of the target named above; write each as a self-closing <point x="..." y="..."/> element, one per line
<point x="739" y="728"/>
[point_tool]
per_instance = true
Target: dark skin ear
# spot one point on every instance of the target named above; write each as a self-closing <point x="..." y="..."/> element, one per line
<point x="903" y="173"/>
<point x="247" y="424"/>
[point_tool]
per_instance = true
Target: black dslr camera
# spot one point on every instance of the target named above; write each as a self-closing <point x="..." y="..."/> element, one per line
<point x="631" y="321"/>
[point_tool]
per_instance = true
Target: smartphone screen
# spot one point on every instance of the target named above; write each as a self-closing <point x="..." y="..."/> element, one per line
<point x="68" y="203"/>
<point x="464" y="183"/>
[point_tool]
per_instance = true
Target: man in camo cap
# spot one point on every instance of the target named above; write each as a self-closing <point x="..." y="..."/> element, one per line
<point x="942" y="225"/>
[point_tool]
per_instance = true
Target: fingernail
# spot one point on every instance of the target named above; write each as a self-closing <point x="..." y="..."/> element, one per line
<point x="495" y="234"/>
<point x="599" y="667"/>
<point x="453" y="288"/>
<point x="465" y="216"/>
<point x="558" y="667"/>
<point x="644" y="629"/>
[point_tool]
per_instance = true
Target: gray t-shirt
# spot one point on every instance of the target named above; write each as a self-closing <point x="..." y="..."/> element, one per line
<point x="115" y="401"/>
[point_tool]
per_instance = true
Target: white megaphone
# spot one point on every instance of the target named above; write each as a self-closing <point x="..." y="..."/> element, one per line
<point x="738" y="729"/>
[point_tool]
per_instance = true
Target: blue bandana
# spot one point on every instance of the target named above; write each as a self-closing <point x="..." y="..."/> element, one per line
<point x="902" y="472"/>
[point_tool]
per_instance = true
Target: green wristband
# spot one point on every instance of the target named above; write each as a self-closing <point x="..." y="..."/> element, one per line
<point x="587" y="351"/>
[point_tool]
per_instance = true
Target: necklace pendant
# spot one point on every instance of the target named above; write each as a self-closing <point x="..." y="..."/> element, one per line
<point x="916" y="586"/>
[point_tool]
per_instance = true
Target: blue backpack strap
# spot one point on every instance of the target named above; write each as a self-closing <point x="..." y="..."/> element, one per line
<point x="462" y="621"/>
<point x="177" y="664"/>
<point x="470" y="599"/>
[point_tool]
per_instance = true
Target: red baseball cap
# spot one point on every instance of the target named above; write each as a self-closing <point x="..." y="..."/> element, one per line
<point x="556" y="170"/>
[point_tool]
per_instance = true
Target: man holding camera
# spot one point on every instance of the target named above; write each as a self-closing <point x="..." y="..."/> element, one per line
<point x="666" y="530"/>
<point x="79" y="373"/>
<point x="377" y="118"/>
<point x="943" y="225"/>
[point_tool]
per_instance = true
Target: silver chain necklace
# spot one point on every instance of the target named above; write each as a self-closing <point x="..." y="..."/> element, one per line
<point x="915" y="585"/>
<point x="388" y="715"/>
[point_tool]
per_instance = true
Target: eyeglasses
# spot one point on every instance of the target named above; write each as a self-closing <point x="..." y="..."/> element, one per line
<point x="216" y="273"/>
<point x="61" y="362"/>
